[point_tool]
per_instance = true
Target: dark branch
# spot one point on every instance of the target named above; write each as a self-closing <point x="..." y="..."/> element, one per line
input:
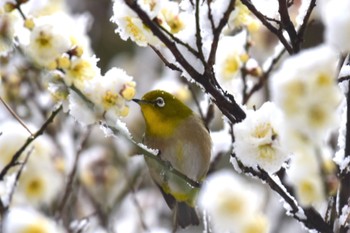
<point x="313" y="220"/>
<point x="268" y="25"/>
<point x="344" y="176"/>
<point x="172" y="66"/>
<point x="16" y="156"/>
<point x="303" y="26"/>
<point x="288" y="25"/>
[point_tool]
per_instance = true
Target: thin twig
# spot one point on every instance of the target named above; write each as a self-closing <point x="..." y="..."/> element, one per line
<point x="172" y="66"/>
<point x="268" y="25"/>
<point x="344" y="176"/>
<point x="302" y="28"/>
<point x="344" y="78"/>
<point x="313" y="220"/>
<point x="201" y="114"/>
<point x="71" y="176"/>
<point x="16" y="156"/>
<point x="4" y="208"/>
<point x="264" y="77"/>
<point x="199" y="40"/>
<point x="15" y="116"/>
<point x="217" y="33"/>
<point x="288" y="25"/>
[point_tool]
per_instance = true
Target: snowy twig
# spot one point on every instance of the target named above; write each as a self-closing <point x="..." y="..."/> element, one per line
<point x="172" y="66"/>
<point x="308" y="216"/>
<point x="278" y="32"/>
<point x="265" y="75"/>
<point x="288" y="25"/>
<point x="344" y="176"/>
<point x="302" y="28"/>
<point x="16" y="156"/>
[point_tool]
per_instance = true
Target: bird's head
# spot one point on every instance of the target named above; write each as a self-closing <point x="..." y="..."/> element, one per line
<point x="162" y="111"/>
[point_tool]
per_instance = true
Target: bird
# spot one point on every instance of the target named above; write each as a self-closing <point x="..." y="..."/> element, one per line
<point x="184" y="142"/>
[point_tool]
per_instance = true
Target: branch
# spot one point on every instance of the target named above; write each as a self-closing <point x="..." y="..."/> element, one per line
<point x="268" y="25"/>
<point x="16" y="156"/>
<point x="313" y="220"/>
<point x="172" y="66"/>
<point x="344" y="78"/>
<point x="199" y="40"/>
<point x="302" y="28"/>
<point x="344" y="176"/>
<point x="13" y="113"/>
<point x="71" y="176"/>
<point x="3" y="208"/>
<point x="288" y="25"/>
<point x="217" y="31"/>
<point x="264" y="77"/>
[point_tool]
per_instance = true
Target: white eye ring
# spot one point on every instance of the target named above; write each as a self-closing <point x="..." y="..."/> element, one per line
<point x="160" y="102"/>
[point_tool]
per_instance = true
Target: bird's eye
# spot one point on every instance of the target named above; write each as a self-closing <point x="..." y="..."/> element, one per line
<point x="160" y="102"/>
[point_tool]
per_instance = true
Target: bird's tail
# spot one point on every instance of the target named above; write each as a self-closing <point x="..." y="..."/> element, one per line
<point x="186" y="215"/>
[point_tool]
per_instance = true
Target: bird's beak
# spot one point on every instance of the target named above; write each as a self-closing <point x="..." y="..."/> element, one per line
<point x="136" y="100"/>
<point x="139" y="101"/>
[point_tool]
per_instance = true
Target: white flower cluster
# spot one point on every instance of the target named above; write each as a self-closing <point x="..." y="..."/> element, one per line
<point x="306" y="91"/>
<point x="257" y="139"/>
<point x="231" y="205"/>
<point x="41" y="179"/>
<point x="25" y="219"/>
<point x="59" y="43"/>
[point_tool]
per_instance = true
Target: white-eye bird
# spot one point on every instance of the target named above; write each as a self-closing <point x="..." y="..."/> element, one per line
<point x="183" y="141"/>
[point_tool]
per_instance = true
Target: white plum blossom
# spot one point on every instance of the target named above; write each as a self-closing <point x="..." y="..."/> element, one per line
<point x="80" y="70"/>
<point x="336" y="17"/>
<point x="40" y="181"/>
<point x="241" y="16"/>
<point x="111" y="91"/>
<point x="257" y="139"/>
<point x="305" y="90"/>
<point x="24" y="219"/>
<point x="48" y="40"/>
<point x="229" y="203"/>
<point x="131" y="26"/>
<point x="305" y="176"/>
<point x="171" y="18"/>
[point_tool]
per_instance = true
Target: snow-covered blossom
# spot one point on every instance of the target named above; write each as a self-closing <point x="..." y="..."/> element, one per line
<point x="305" y="176"/>
<point x="171" y="18"/>
<point x="336" y="17"/>
<point x="48" y="40"/>
<point x="24" y="219"/>
<point x="111" y="91"/>
<point x="257" y="139"/>
<point x="80" y="109"/>
<point x="80" y="70"/>
<point x="228" y="201"/>
<point x="131" y="26"/>
<point x="241" y="16"/>
<point x="230" y="57"/>
<point x="305" y="89"/>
